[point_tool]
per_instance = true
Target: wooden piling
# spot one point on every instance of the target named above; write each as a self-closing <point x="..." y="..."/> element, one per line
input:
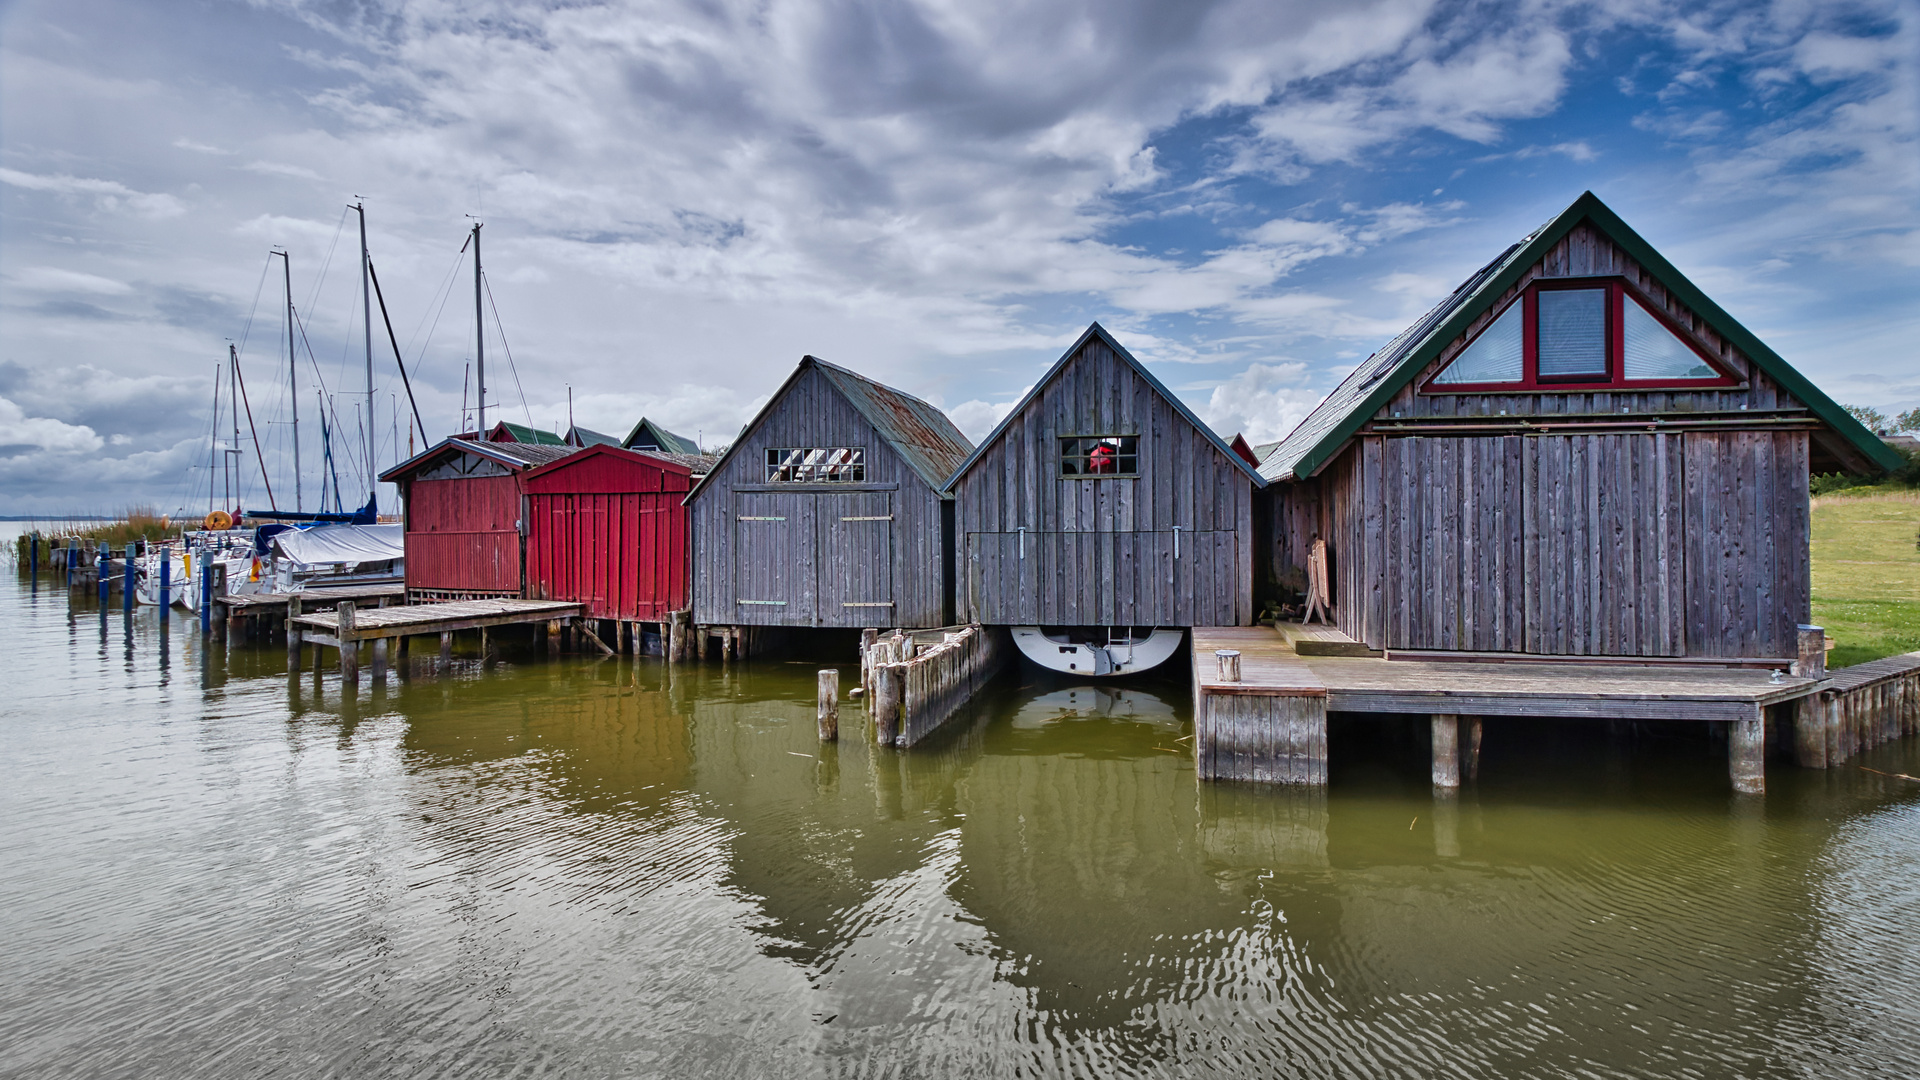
<point x="1471" y="752"/>
<point x="1810" y="712"/>
<point x="868" y="638"/>
<point x="380" y="649"/>
<point x="293" y="631"/>
<point x="349" y="648"/>
<point x="126" y="585"/>
<point x="446" y="647"/>
<point x="889" y="686"/>
<point x="1446" y="750"/>
<point x="1747" y="755"/>
<point x="828" y="701"/>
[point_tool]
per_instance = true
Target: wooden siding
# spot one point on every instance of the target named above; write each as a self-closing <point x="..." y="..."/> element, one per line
<point x="1168" y="547"/>
<point x="808" y="560"/>
<point x="607" y="528"/>
<point x="1688" y="544"/>
<point x="461" y="534"/>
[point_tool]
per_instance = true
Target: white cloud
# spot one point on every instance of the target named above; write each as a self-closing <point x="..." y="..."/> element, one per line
<point x="1263" y="402"/>
<point x="56" y="279"/>
<point x="109" y="195"/>
<point x="17" y="430"/>
<point x="976" y="419"/>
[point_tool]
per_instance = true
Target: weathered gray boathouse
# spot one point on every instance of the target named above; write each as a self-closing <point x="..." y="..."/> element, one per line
<point x="1102" y="500"/>
<point x="1576" y="487"/>
<point x="827" y="510"/>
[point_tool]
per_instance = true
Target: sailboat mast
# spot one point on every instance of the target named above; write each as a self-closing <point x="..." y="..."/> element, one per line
<point x="479" y="339"/>
<point x="213" y="439"/>
<point x="233" y="448"/>
<point x="293" y="384"/>
<point x="366" y="324"/>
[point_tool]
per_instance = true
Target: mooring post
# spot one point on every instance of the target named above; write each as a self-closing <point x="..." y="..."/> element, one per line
<point x="67" y="558"/>
<point x="349" y="648"/>
<point x="293" y="633"/>
<point x="1810" y="713"/>
<point x="379" y="659"/>
<point x="889" y="686"/>
<point x="102" y="572"/>
<point x="1471" y="752"/>
<point x="867" y="639"/>
<point x="1747" y="754"/>
<point x="126" y="583"/>
<point x="446" y="647"/>
<point x="484" y="646"/>
<point x="1446" y="750"/>
<point x="206" y="597"/>
<point x="553" y="636"/>
<point x="33" y="554"/>
<point x="828" y="700"/>
<point x="1228" y="661"/>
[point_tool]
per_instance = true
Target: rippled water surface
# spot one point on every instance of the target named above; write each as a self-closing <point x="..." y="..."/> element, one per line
<point x="609" y="868"/>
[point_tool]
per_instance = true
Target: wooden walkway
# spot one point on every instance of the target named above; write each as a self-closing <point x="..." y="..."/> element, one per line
<point x="275" y="604"/>
<point x="347" y="626"/>
<point x="1237" y="724"/>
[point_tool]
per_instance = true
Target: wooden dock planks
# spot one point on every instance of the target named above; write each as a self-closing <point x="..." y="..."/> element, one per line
<point x="415" y="619"/>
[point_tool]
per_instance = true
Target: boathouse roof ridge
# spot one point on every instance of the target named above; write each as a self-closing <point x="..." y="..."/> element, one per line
<point x="522" y="455"/>
<point x="669" y="441"/>
<point x="1371" y="385"/>
<point x="522" y="433"/>
<point x="584" y="436"/>
<point x="924" y="437"/>
<point x="1095" y="330"/>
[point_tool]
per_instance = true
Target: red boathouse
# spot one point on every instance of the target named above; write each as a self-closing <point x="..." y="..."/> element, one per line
<point x="605" y="526"/>
<point x="463" y="501"/>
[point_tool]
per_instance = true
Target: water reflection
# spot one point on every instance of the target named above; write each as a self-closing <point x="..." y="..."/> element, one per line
<point x="594" y="866"/>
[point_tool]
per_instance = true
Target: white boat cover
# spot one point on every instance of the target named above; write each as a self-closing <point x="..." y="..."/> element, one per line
<point x="327" y="544"/>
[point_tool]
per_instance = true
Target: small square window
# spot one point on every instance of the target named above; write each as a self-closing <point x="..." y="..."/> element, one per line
<point x="1100" y="455"/>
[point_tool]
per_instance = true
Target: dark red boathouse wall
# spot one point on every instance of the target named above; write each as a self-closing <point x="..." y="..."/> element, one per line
<point x="606" y="527"/>
<point x="462" y="535"/>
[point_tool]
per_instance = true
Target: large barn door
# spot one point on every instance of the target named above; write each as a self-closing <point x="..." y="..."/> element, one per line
<point x="856" y="556"/>
<point x="773" y="551"/>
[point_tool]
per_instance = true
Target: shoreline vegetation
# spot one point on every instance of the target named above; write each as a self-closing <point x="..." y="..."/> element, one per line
<point x="1865" y="563"/>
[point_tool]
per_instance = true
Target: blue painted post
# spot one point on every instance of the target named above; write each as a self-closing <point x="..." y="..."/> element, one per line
<point x="102" y="565"/>
<point x="166" y="581"/>
<point x="206" y="594"/>
<point x="126" y="584"/>
<point x="33" y="555"/>
<point x="68" y="553"/>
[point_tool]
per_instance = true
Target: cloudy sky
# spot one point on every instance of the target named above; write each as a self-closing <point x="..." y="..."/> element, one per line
<point x="682" y="198"/>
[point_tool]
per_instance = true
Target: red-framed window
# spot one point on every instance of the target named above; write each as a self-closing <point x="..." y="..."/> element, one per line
<point x="1578" y="334"/>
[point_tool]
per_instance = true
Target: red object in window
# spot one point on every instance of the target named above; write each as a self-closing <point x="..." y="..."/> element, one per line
<point x="1102" y="460"/>
<point x="1615" y="379"/>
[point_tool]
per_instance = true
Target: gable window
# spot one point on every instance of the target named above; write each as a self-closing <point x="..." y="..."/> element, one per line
<point x="1577" y="334"/>
<point x="1100" y="455"/>
<point x="816" y="465"/>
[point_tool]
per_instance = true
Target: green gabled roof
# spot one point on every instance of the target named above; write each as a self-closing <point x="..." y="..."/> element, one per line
<point x="580" y="436"/>
<point x="521" y="433"/>
<point x="666" y="440"/>
<point x="1374" y="383"/>
<point x="1099" y="333"/>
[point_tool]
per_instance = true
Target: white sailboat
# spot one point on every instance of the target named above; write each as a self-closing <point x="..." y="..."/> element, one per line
<point x="1101" y="652"/>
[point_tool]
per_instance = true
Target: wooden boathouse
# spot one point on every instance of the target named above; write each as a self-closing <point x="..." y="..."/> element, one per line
<point x="608" y="527"/>
<point x="647" y="435"/>
<point x="1576" y="487"/>
<point x="1102" y="500"/>
<point x="463" y="501"/>
<point x="827" y="510"/>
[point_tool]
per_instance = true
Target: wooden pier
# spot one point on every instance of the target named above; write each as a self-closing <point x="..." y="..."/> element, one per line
<point x="256" y="615"/>
<point x="1269" y="725"/>
<point x="389" y="628"/>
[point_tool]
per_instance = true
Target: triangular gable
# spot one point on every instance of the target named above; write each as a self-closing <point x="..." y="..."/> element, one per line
<point x="666" y="440"/>
<point x="1100" y="332"/>
<point x="510" y="455"/>
<point x="581" y="436"/>
<point x="1373" y="384"/>
<point x="637" y="458"/>
<point x="910" y="427"/>
<point x="508" y="431"/>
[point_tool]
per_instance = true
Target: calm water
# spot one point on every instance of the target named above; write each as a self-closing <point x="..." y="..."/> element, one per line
<point x="583" y="869"/>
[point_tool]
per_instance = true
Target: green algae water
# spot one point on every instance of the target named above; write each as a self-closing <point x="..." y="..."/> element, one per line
<point x="588" y="868"/>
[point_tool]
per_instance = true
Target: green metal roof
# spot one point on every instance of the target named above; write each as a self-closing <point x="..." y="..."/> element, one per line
<point x="524" y="434"/>
<point x="1374" y="383"/>
<point x="664" y="439"/>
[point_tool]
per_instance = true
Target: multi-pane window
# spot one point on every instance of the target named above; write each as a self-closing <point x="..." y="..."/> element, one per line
<point x="1583" y="334"/>
<point x="1100" y="455"/>
<point x="817" y="465"/>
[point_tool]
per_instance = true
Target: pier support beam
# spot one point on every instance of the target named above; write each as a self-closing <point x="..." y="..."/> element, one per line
<point x="380" y="649"/>
<point x="1810" y="713"/>
<point x="1747" y="755"/>
<point x="889" y="686"/>
<point x="293" y="632"/>
<point x="349" y="648"/>
<point x="1446" y="750"/>
<point x="1470" y="750"/>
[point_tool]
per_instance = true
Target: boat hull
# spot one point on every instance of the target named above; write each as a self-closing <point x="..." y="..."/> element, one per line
<point x="1097" y="654"/>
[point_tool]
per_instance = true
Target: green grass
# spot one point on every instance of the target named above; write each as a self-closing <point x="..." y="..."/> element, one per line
<point x="1866" y="572"/>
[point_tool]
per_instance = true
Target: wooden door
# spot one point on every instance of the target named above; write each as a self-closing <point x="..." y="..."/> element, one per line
<point x="856" y="557"/>
<point x="774" y="548"/>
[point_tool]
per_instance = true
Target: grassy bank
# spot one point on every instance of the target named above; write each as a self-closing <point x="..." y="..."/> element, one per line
<point x="135" y="523"/>
<point x="1866" y="572"/>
